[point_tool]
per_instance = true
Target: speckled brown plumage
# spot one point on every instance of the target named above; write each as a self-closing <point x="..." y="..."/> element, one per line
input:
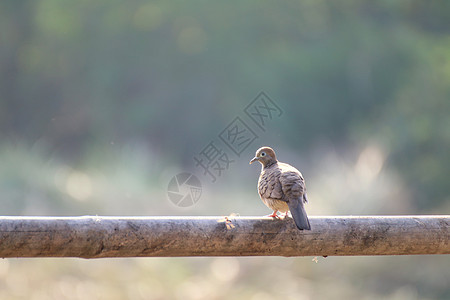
<point x="282" y="187"/>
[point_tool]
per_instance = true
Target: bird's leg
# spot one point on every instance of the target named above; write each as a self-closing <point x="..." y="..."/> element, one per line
<point x="274" y="215"/>
<point x="285" y="215"/>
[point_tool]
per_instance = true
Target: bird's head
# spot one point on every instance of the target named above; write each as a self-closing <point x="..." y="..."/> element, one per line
<point x="265" y="155"/>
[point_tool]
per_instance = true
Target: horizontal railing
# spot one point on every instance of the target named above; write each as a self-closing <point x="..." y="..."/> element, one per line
<point x="97" y="237"/>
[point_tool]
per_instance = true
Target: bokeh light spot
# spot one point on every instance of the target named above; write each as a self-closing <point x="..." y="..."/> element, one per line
<point x="79" y="186"/>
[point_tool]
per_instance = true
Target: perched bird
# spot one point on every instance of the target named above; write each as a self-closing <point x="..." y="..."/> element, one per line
<point x="281" y="187"/>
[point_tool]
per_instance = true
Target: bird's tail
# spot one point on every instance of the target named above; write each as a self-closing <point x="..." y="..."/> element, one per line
<point x="299" y="215"/>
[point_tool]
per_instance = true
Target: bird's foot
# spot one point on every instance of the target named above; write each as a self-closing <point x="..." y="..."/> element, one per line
<point x="274" y="215"/>
<point x="285" y="215"/>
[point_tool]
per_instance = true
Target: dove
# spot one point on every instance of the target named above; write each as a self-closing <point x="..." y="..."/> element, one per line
<point x="282" y="187"/>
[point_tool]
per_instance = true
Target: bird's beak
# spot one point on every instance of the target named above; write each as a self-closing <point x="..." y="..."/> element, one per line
<point x="254" y="159"/>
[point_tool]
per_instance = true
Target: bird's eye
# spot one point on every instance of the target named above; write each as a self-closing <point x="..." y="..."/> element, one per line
<point x="263" y="153"/>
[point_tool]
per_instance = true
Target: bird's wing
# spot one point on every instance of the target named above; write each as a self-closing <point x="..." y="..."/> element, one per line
<point x="305" y="198"/>
<point x="293" y="184"/>
<point x="269" y="185"/>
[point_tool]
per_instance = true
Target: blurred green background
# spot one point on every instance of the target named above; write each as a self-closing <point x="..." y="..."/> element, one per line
<point x="103" y="102"/>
